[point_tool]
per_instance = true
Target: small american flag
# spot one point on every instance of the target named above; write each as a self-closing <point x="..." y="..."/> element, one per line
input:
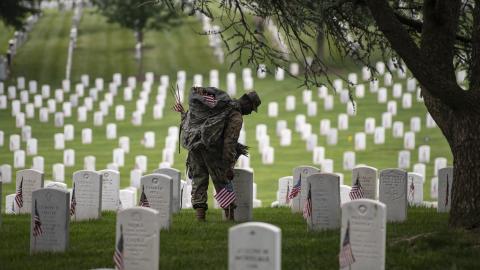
<point x="19" y="195"/>
<point x="307" y="208"/>
<point x="357" y="191"/>
<point x="287" y="199"/>
<point x="37" y="224"/>
<point x="411" y="191"/>
<point x="225" y="196"/>
<point x="346" y="257"/>
<point x="143" y="199"/>
<point x="73" y="202"/>
<point x="448" y="191"/>
<point x="118" y="255"/>
<point x="210" y="100"/>
<point x="296" y="189"/>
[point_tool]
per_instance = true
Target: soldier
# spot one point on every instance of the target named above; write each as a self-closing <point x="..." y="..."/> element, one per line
<point x="210" y="131"/>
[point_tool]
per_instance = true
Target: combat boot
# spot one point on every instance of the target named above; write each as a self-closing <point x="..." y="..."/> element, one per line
<point x="229" y="213"/>
<point x="200" y="214"/>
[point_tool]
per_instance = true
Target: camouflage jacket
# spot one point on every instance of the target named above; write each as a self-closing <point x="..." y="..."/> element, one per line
<point x="213" y="123"/>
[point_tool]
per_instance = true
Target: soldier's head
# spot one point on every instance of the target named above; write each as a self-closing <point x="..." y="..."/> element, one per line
<point x="249" y="102"/>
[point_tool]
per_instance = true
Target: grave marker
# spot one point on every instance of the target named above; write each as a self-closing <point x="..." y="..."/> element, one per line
<point x="49" y="220"/>
<point x="393" y="193"/>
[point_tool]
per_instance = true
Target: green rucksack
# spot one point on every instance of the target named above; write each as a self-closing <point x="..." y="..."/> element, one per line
<point x="205" y="121"/>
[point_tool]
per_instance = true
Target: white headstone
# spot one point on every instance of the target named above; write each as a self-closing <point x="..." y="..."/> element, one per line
<point x="110" y="190"/>
<point x="343" y="121"/>
<point x="360" y="141"/>
<point x="137" y="231"/>
<point x="19" y="159"/>
<point x="58" y="172"/>
<point x="87" y="191"/>
<point x="300" y="175"/>
<point x="393" y="193"/>
<point x="176" y="187"/>
<point x="89" y="163"/>
<point x="415" y="189"/>
<point x="367" y="179"/>
<point x="323" y="193"/>
<point x="69" y="132"/>
<point x="440" y="163"/>
<point x="397" y="129"/>
<point x="254" y="245"/>
<point x="69" y="157"/>
<point x="51" y="207"/>
<point x="157" y="189"/>
<point x="243" y="188"/>
<point x="87" y="136"/>
<point x="364" y="225"/>
<point x="27" y="181"/>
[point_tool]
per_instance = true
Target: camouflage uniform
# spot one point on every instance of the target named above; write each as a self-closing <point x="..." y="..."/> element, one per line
<point x="214" y="162"/>
<point x="210" y="133"/>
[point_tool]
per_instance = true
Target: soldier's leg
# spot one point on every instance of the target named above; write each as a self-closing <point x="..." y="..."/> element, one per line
<point x="199" y="174"/>
<point x="220" y="181"/>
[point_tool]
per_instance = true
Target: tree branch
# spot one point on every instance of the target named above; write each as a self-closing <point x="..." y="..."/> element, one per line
<point x="418" y="26"/>
<point x="430" y="76"/>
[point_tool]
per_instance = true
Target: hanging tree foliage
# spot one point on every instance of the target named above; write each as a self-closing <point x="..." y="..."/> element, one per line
<point x="433" y="38"/>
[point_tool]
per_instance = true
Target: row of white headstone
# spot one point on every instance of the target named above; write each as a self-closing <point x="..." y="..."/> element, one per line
<point x="406" y="189"/>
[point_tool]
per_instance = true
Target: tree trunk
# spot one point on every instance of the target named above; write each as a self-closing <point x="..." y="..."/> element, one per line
<point x="139" y="50"/>
<point x="465" y="210"/>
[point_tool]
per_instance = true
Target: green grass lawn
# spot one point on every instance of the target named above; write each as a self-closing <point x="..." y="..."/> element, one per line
<point x="422" y="242"/>
<point x="104" y="49"/>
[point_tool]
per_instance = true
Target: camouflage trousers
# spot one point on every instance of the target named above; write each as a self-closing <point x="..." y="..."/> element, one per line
<point x="201" y="165"/>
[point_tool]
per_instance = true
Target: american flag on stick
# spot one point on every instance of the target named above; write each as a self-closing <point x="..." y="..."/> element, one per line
<point x="357" y="191"/>
<point x="210" y="100"/>
<point x="448" y="191"/>
<point x="296" y="188"/>
<point x="225" y="196"/>
<point x="346" y="257"/>
<point x="307" y="208"/>
<point x="287" y="199"/>
<point x="118" y="255"/>
<point x="37" y="224"/>
<point x="19" y="195"/>
<point x="411" y="191"/>
<point x="143" y="198"/>
<point x="178" y="107"/>
<point x="73" y="202"/>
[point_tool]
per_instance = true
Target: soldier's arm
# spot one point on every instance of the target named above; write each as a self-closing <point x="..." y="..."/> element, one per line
<point x="231" y="134"/>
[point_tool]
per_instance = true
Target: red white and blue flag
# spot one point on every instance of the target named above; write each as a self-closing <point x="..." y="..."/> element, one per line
<point x="307" y="208"/>
<point x="73" y="202"/>
<point x="346" y="257"/>
<point x="210" y="100"/>
<point x="296" y="188"/>
<point x="118" y="255"/>
<point x="447" y="193"/>
<point x="143" y="199"/>
<point x="37" y="224"/>
<point x="19" y="195"/>
<point x="357" y="191"/>
<point x="225" y="196"/>
<point x="411" y="191"/>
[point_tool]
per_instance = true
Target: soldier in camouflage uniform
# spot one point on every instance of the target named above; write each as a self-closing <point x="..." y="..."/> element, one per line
<point x="210" y="131"/>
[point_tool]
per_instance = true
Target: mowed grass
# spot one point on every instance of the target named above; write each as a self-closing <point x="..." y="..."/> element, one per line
<point x="422" y="242"/>
<point x="98" y="39"/>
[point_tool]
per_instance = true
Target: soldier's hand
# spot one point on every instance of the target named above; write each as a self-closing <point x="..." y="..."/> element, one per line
<point x="229" y="174"/>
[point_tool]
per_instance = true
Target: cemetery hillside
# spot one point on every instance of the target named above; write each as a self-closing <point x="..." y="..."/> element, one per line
<point x="352" y="173"/>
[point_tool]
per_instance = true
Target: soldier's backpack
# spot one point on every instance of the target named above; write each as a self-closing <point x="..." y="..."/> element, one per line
<point x="203" y="124"/>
